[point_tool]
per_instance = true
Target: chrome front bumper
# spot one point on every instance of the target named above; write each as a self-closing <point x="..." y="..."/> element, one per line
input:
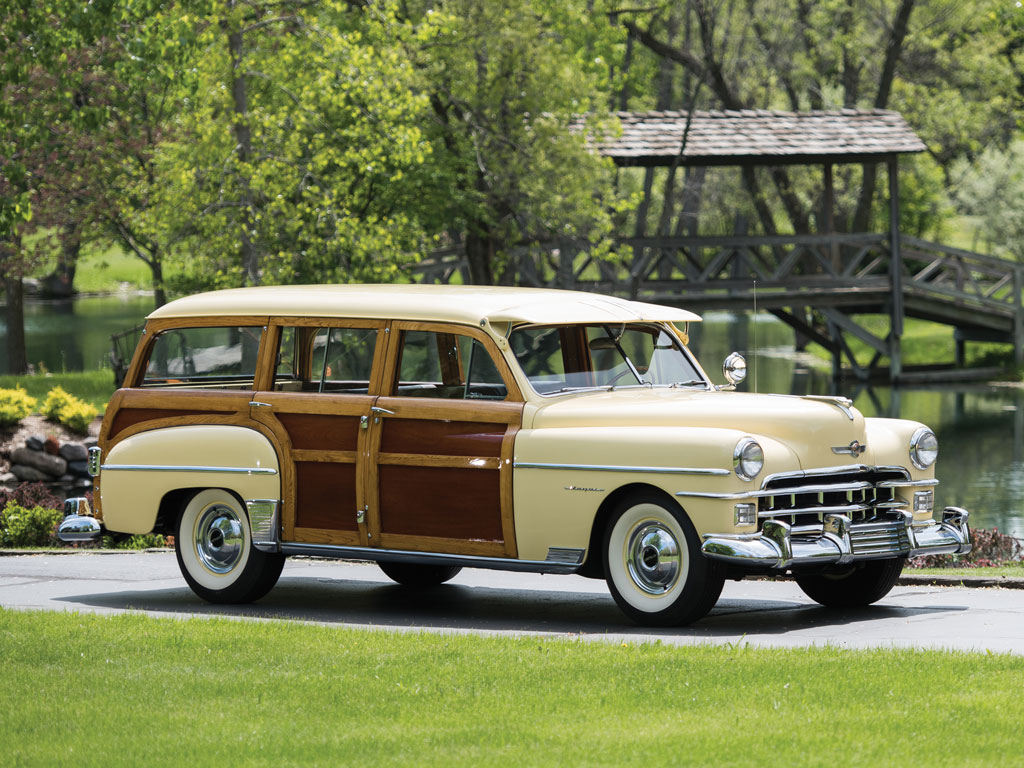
<point x="78" y="523"/>
<point x="841" y="541"/>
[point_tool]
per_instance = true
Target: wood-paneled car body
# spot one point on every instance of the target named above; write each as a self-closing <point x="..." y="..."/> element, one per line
<point x="430" y="428"/>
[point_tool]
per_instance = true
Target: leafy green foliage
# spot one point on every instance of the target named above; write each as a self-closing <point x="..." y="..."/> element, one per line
<point x="15" y="405"/>
<point x="65" y="408"/>
<point x="28" y="526"/>
<point x="33" y="495"/>
<point x="136" y="541"/>
<point x="992" y="188"/>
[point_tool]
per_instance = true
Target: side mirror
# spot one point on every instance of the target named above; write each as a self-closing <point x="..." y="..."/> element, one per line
<point x="735" y="369"/>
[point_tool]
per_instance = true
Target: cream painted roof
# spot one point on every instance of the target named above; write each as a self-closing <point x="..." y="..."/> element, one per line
<point x="446" y="303"/>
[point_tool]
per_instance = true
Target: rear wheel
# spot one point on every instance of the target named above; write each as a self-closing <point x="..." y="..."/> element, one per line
<point x="215" y="552"/>
<point x="862" y="584"/>
<point x="418" y="574"/>
<point x="654" y="566"/>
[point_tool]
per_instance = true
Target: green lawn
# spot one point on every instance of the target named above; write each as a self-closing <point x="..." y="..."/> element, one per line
<point x="131" y="690"/>
<point x="1015" y="570"/>
<point x="94" y="387"/>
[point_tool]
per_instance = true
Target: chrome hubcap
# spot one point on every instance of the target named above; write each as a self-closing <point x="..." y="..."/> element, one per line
<point x="220" y="538"/>
<point x="653" y="558"/>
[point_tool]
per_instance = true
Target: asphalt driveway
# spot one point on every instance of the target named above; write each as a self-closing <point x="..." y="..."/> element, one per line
<point x="760" y="613"/>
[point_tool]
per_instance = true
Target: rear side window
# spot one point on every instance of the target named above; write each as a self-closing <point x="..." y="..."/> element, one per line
<point x="447" y="365"/>
<point x="336" y="360"/>
<point x="210" y="358"/>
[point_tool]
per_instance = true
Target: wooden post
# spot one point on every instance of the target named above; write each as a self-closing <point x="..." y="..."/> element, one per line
<point x="829" y="219"/>
<point x="895" y="272"/>
<point x="1018" y="316"/>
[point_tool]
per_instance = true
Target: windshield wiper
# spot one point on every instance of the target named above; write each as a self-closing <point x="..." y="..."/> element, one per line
<point x="597" y="387"/>
<point x="690" y="383"/>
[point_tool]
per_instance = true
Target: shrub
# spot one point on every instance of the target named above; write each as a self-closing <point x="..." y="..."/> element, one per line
<point x="33" y="495"/>
<point x="28" y="527"/>
<point x="136" y="541"/>
<point x="15" y="405"/>
<point x="67" y="409"/>
<point x="57" y="398"/>
<point x="990" y="547"/>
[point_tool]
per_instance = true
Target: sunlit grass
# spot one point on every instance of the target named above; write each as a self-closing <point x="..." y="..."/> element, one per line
<point x="131" y="690"/>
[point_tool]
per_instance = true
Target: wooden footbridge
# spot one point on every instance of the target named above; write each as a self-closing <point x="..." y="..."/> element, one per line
<point x="820" y="284"/>
<point x="816" y="284"/>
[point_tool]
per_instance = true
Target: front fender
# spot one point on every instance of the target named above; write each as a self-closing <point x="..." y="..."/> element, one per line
<point x="562" y="476"/>
<point x="140" y="470"/>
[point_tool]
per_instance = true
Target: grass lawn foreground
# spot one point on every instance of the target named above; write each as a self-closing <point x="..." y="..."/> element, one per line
<point x="80" y="689"/>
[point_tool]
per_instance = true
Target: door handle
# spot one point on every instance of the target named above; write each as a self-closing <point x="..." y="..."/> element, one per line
<point x="258" y="404"/>
<point x="378" y="409"/>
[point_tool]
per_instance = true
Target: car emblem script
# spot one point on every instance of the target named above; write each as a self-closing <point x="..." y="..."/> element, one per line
<point x="853" y="449"/>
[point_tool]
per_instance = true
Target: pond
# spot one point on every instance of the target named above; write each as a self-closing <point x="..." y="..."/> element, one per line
<point x="980" y="427"/>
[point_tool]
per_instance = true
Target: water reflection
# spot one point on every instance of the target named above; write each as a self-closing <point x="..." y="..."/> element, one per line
<point x="980" y="427"/>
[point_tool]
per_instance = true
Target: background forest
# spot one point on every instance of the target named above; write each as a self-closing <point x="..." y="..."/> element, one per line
<point x="237" y="142"/>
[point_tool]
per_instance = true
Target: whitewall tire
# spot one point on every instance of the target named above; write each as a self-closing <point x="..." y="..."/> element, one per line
<point x="653" y="564"/>
<point x="214" y="547"/>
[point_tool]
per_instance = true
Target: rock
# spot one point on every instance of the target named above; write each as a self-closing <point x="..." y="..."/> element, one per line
<point x="83" y="482"/>
<point x="28" y="474"/>
<point x="78" y="468"/>
<point x="54" y="466"/>
<point x="74" y="452"/>
<point x="8" y="477"/>
<point x="69" y="478"/>
<point x="51" y="445"/>
<point x="35" y="442"/>
<point x="90" y="442"/>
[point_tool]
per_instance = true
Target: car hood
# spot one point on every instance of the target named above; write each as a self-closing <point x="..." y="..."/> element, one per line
<point x="810" y="427"/>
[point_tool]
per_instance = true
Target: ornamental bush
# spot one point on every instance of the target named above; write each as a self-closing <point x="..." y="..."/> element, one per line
<point x="28" y="526"/>
<point x="15" y="405"/>
<point x="990" y="547"/>
<point x="63" y="407"/>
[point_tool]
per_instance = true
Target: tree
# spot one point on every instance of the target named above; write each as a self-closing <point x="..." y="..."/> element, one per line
<point x="508" y="83"/>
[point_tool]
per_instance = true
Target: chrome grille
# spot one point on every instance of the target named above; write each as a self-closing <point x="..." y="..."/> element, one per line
<point x="863" y="494"/>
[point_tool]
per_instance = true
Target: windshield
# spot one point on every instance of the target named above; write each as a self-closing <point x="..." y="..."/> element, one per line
<point x="561" y="358"/>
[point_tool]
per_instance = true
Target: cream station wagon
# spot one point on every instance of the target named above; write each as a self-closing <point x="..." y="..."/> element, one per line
<point x="431" y="428"/>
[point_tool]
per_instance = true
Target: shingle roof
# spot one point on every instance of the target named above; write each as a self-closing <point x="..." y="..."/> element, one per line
<point x="759" y="136"/>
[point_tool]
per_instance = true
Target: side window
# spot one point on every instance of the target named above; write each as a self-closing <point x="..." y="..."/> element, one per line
<point x="325" y="360"/>
<point x="210" y="358"/>
<point x="446" y="365"/>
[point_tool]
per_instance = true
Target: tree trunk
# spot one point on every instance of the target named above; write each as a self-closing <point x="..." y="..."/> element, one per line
<point x="479" y="252"/>
<point x="60" y="283"/>
<point x="243" y="147"/>
<point x="156" y="267"/>
<point x="17" y="359"/>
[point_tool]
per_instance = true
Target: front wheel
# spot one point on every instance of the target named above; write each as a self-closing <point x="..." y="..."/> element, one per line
<point x="862" y="584"/>
<point x="215" y="552"/>
<point x="654" y="566"/>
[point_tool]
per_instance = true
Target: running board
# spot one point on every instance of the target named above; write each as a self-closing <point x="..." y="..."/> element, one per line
<point x="429" y="558"/>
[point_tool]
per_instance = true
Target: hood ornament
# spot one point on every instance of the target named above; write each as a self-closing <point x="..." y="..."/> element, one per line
<point x="844" y="404"/>
<point x="855" y="448"/>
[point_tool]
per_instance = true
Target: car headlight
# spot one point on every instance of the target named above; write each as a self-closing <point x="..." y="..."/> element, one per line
<point x="748" y="458"/>
<point x="924" y="448"/>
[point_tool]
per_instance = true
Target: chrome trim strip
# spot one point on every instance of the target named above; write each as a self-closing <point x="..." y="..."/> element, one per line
<point x="906" y="483"/>
<point x="843" y="469"/>
<point x="858" y="486"/>
<point x="615" y="468"/>
<point x="838" y="509"/>
<point x="404" y="556"/>
<point x="187" y="468"/>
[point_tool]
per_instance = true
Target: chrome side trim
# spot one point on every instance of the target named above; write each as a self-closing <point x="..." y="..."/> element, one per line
<point x="617" y="468"/>
<point x="430" y="558"/>
<point x="187" y="468"/>
<point x="263" y="523"/>
<point x="567" y="555"/>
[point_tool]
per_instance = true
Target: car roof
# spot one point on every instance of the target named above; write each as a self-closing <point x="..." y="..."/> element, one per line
<point x="467" y="304"/>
